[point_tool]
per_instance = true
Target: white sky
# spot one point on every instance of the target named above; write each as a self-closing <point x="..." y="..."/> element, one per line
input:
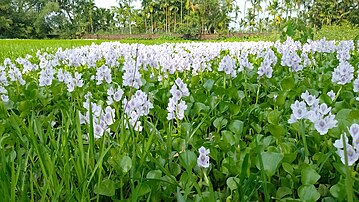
<point x="109" y="3"/>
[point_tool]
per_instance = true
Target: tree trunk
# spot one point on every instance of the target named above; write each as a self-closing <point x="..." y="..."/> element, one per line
<point x="181" y="11"/>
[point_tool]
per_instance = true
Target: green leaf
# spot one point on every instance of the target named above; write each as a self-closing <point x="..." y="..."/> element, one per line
<point x="232" y="183"/>
<point x="107" y="188"/>
<point x="126" y="164"/>
<point x="354" y="115"/>
<point x="276" y="130"/>
<point x="198" y="107"/>
<point x="142" y="190"/>
<point x="271" y="162"/>
<point x="308" y="193"/>
<point x="179" y="196"/>
<point x="188" y="159"/>
<point x="220" y="122"/>
<point x="338" y="190"/>
<point x="282" y="192"/>
<point x="208" y="85"/>
<point x="236" y="126"/>
<point x="287" y="167"/>
<point x="154" y="174"/>
<point x="309" y="176"/>
<point x="288" y="83"/>
<point x="273" y="117"/>
<point x="228" y="137"/>
<point x="280" y="100"/>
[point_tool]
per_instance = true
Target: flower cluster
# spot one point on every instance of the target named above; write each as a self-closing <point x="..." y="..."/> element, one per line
<point x="13" y="72"/>
<point x="343" y="74"/>
<point x="3" y="82"/>
<point x="137" y="106"/>
<point x="266" y="66"/>
<point x="176" y="106"/>
<point x="103" y="73"/>
<point x="131" y="76"/>
<point x="352" y="150"/>
<point x="71" y="82"/>
<point x="343" y="50"/>
<point x="114" y="96"/>
<point x="319" y="114"/>
<point x="203" y="158"/>
<point x="102" y="119"/>
<point x="228" y="65"/>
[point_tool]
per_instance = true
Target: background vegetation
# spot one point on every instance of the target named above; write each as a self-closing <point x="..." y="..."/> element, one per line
<point x="69" y="18"/>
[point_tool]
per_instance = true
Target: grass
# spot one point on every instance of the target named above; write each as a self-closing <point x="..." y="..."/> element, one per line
<point x="15" y="48"/>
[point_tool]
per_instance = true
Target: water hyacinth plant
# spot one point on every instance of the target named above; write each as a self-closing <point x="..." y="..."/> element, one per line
<point x="249" y="121"/>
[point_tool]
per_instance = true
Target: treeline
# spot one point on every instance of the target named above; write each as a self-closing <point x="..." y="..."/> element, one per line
<point x="73" y="18"/>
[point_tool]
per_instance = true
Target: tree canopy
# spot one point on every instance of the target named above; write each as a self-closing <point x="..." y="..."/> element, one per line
<point x="70" y="18"/>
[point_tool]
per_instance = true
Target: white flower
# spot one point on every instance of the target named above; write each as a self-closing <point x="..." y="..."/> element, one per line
<point x="343" y="74"/>
<point x="228" y="65"/>
<point x="203" y="159"/>
<point x="292" y="119"/>
<point x="324" y="109"/>
<point x="309" y="99"/>
<point x="98" y="131"/>
<point x="356" y="85"/>
<point x="299" y="109"/>
<point x="356" y="142"/>
<point x="331" y="94"/>
<point x="4" y="98"/>
<point x="77" y="80"/>
<point x="71" y="86"/>
<point x="3" y="90"/>
<point x="118" y="94"/>
<point x="354" y="130"/>
<point x="203" y="150"/>
<point x="110" y="91"/>
<point x="339" y="143"/>
<point x="353" y="156"/>
<point x="321" y="126"/>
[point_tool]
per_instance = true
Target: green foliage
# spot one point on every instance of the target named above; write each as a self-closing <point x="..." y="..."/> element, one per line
<point x="297" y="29"/>
<point x="338" y="32"/>
<point x="255" y="154"/>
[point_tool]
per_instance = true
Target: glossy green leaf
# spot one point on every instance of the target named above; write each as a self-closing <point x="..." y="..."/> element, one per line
<point x="106" y="188"/>
<point x="236" y="126"/>
<point x="308" y="193"/>
<point x="271" y="161"/>
<point x="309" y="176"/>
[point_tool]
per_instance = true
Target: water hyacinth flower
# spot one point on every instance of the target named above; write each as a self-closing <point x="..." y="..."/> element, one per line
<point x="138" y="106"/>
<point x="343" y="74"/>
<point x="114" y="96"/>
<point x="352" y="154"/>
<point x="203" y="158"/>
<point x="331" y="94"/>
<point x="228" y="65"/>
<point x="299" y="110"/>
<point x="356" y="85"/>
<point x="176" y="106"/>
<point x="319" y="114"/>
<point x="309" y="99"/>
<point x="352" y="150"/>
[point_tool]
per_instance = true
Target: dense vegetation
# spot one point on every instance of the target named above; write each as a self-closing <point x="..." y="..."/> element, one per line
<point x="69" y="18"/>
<point x="250" y="121"/>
